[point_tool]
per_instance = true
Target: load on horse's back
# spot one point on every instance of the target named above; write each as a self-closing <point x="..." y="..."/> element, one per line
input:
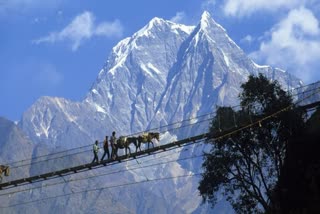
<point x="121" y="142"/>
<point x="144" y="137"/>
<point x="4" y="170"/>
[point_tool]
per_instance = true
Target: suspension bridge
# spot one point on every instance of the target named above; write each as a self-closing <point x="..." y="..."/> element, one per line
<point x="161" y="148"/>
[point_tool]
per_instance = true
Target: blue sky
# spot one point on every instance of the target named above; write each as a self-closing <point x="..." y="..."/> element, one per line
<point x="57" y="47"/>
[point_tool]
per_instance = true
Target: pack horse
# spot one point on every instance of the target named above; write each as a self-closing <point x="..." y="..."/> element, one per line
<point x="4" y="170"/>
<point x="124" y="143"/>
<point x="147" y="138"/>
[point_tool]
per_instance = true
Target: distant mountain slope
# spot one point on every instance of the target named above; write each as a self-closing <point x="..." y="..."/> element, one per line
<point x="14" y="145"/>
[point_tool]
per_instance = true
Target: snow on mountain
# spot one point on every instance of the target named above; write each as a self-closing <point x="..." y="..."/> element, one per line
<point x="165" y="72"/>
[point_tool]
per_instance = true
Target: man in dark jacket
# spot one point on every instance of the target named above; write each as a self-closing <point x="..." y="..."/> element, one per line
<point x="106" y="148"/>
<point x="113" y="142"/>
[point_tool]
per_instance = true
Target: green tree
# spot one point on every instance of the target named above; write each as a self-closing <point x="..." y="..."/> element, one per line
<point x="245" y="165"/>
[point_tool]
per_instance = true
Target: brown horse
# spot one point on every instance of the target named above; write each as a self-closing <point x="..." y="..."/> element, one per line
<point x="147" y="138"/>
<point x="4" y="170"/>
<point x="133" y="140"/>
<point x="124" y="143"/>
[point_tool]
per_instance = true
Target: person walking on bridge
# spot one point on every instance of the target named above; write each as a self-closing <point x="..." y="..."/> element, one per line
<point x="95" y="152"/>
<point x="105" y="148"/>
<point x="113" y="142"/>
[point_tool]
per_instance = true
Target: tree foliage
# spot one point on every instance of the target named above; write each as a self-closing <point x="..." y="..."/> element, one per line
<point x="246" y="164"/>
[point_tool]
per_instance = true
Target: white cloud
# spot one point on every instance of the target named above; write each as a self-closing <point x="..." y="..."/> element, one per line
<point x="293" y="44"/>
<point x="179" y="17"/>
<point x="109" y="29"/>
<point x="247" y="7"/>
<point x="248" y="39"/>
<point x="81" y="28"/>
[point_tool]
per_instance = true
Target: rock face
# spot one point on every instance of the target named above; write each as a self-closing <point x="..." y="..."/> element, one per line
<point x="14" y="145"/>
<point x="164" y="73"/>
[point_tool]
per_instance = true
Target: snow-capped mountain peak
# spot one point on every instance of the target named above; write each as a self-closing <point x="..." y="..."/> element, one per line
<point x="157" y="25"/>
<point x="156" y="21"/>
<point x="207" y="22"/>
